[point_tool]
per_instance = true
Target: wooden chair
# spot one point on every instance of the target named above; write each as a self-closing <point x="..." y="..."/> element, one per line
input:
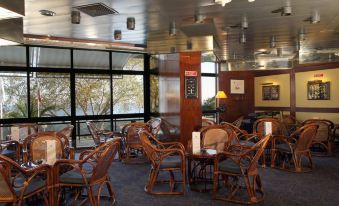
<point x="236" y="165"/>
<point x="17" y="184"/>
<point x="154" y="125"/>
<point x="34" y="146"/>
<point x="89" y="172"/>
<point x="97" y="134"/>
<point x="324" y="137"/>
<point x="294" y="147"/>
<point x="207" y="122"/>
<point x="168" y="157"/>
<point x="11" y="149"/>
<point x="133" y="146"/>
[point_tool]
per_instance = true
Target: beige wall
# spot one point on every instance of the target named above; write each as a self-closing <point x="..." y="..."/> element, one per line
<point x="301" y="80"/>
<point x="283" y="80"/>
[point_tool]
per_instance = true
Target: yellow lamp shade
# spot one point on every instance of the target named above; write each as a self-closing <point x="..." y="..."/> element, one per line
<point x="221" y="95"/>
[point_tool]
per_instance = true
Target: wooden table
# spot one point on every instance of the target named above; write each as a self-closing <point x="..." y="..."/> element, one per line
<point x="200" y="169"/>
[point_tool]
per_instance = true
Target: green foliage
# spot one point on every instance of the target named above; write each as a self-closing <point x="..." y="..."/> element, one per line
<point x="209" y="104"/>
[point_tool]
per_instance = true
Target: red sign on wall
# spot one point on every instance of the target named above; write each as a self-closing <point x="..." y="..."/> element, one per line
<point x="318" y="75"/>
<point x="191" y="73"/>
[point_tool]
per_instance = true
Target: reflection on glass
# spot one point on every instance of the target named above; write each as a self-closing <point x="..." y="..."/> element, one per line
<point x="13" y="95"/>
<point x="127" y="61"/>
<point x="84" y="138"/>
<point x="50" y="94"/>
<point x="49" y="57"/>
<point x="92" y="94"/>
<point x="154" y="96"/>
<point x="86" y="59"/>
<point x="13" y="56"/>
<point x="128" y="94"/>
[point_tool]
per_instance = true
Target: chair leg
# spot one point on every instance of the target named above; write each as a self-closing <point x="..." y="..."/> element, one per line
<point x="250" y="188"/>
<point x="215" y="184"/>
<point x="273" y="157"/>
<point x="91" y="196"/>
<point x="310" y="159"/>
<point x="110" y="191"/>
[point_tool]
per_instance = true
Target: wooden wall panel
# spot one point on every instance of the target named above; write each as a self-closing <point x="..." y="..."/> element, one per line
<point x="237" y="104"/>
<point x="190" y="109"/>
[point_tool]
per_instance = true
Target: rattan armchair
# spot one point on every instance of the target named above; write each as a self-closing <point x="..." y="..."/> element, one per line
<point x="89" y="172"/>
<point x="133" y="147"/>
<point x="168" y="157"/>
<point x="34" y="146"/>
<point x="238" y="122"/>
<point x="11" y="149"/>
<point x="154" y="125"/>
<point x="207" y="122"/>
<point x="290" y="150"/>
<point x="99" y="136"/>
<point x="18" y="184"/>
<point x="324" y="137"/>
<point x="239" y="163"/>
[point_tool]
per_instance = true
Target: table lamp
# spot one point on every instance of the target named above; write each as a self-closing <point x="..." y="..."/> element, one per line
<point x="220" y="108"/>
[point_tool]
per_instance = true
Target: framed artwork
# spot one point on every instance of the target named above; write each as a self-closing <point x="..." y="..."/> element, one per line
<point x="271" y="92"/>
<point x="237" y="86"/>
<point x="318" y="90"/>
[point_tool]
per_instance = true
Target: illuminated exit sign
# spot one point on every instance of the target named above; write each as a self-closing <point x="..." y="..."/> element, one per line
<point x="191" y="73"/>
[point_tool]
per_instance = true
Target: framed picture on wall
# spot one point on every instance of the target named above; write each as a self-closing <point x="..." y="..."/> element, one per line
<point x="237" y="86"/>
<point x="271" y="92"/>
<point x="318" y="90"/>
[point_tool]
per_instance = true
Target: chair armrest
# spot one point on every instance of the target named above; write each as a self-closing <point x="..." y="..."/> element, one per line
<point x="84" y="153"/>
<point x="71" y="153"/>
<point x="173" y="145"/>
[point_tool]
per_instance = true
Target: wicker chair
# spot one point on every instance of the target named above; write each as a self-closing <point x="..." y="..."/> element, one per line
<point x="11" y="149"/>
<point x="238" y="122"/>
<point x="154" y="125"/>
<point x="89" y="172"/>
<point x="207" y="122"/>
<point x="66" y="132"/>
<point x="325" y="136"/>
<point x="133" y="146"/>
<point x="294" y="147"/>
<point x="18" y="184"/>
<point x="164" y="157"/>
<point x="237" y="164"/>
<point x="34" y="146"/>
<point x="98" y="133"/>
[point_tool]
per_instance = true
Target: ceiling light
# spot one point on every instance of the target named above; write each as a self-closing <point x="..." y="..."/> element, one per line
<point x="251" y="0"/>
<point x="287" y="10"/>
<point x="198" y="18"/>
<point x="47" y="12"/>
<point x="244" y="23"/>
<point x="302" y="34"/>
<point x="242" y="39"/>
<point x="172" y="29"/>
<point x="117" y="34"/>
<point x="315" y="17"/>
<point x="12" y="9"/>
<point x="189" y="44"/>
<point x="222" y="2"/>
<point x="273" y="42"/>
<point x="130" y="23"/>
<point x="75" y="15"/>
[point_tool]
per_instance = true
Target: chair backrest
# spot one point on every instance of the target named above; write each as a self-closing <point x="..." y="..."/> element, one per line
<point x="131" y="131"/>
<point x="66" y="134"/>
<point x="277" y="127"/>
<point x="104" y="155"/>
<point x="258" y="149"/>
<point x="148" y="147"/>
<point x="207" y="122"/>
<point x="238" y="122"/>
<point x="217" y="137"/>
<point x="324" y="131"/>
<point x="6" y="191"/>
<point x="94" y="132"/>
<point x="304" y="136"/>
<point x="37" y="145"/>
<point x="154" y="125"/>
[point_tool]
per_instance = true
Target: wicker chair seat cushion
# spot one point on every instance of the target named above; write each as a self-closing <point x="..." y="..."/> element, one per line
<point x="230" y="166"/>
<point x="36" y="184"/>
<point x="8" y="153"/>
<point x="171" y="162"/>
<point x="74" y="177"/>
<point x="246" y="143"/>
<point x="215" y="139"/>
<point x="284" y="148"/>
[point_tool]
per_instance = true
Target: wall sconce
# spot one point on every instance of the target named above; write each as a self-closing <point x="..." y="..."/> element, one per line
<point x="130" y="23"/>
<point x="117" y="35"/>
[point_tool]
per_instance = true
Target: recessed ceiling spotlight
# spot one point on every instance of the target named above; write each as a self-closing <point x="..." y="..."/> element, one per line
<point x="117" y="34"/>
<point x="244" y="23"/>
<point x="172" y="30"/>
<point x="47" y="12"/>
<point x="287" y="10"/>
<point x="130" y="23"/>
<point x="75" y="16"/>
<point x="315" y="17"/>
<point x="222" y="2"/>
<point x="273" y="42"/>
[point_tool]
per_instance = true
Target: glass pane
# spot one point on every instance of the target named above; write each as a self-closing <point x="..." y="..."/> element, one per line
<point x="49" y="57"/>
<point x="128" y="94"/>
<point x="50" y="94"/>
<point x="208" y="67"/>
<point x="154" y="98"/>
<point x="13" y="56"/>
<point x="83" y="136"/>
<point x="120" y="123"/>
<point x="127" y="61"/>
<point x="86" y="59"/>
<point x="13" y="95"/>
<point x="208" y="92"/>
<point x="93" y="95"/>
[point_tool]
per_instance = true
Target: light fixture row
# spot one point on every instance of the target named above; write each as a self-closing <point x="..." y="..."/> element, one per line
<point x="224" y="2"/>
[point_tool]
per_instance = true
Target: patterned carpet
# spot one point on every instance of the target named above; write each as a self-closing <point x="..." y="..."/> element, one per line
<point x="320" y="187"/>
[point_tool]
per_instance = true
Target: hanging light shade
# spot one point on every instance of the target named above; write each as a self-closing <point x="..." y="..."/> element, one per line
<point x="172" y="30"/>
<point x="273" y="42"/>
<point x="189" y="44"/>
<point x="242" y="39"/>
<point x="244" y="23"/>
<point x="315" y="17"/>
<point x="287" y="9"/>
<point x="117" y="34"/>
<point x="75" y="15"/>
<point x="198" y="17"/>
<point x="302" y="34"/>
<point x="130" y="23"/>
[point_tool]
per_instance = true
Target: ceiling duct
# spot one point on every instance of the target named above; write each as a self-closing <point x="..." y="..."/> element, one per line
<point x="11" y="31"/>
<point x="97" y="9"/>
<point x="12" y="9"/>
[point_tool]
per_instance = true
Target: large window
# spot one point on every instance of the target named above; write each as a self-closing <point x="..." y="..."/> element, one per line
<point x="208" y="85"/>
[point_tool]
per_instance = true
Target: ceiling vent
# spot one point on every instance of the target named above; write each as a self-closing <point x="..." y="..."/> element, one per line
<point x="97" y="9"/>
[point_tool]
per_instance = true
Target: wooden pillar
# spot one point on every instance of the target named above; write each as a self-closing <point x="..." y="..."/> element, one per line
<point x="190" y="108"/>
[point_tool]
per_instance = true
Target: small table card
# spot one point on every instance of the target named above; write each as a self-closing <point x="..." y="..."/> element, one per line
<point x="15" y="133"/>
<point x="50" y="152"/>
<point x="268" y="128"/>
<point x="195" y="142"/>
